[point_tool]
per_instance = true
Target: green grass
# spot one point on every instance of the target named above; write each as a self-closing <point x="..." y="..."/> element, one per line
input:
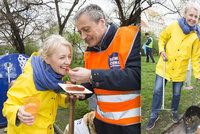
<point x="148" y="79"/>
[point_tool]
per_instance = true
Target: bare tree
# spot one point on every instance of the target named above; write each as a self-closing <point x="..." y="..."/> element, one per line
<point x="19" y="20"/>
<point x="170" y="5"/>
<point x="128" y="11"/>
<point x="60" y="17"/>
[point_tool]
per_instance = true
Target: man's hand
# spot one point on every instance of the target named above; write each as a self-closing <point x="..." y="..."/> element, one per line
<point x="164" y="56"/>
<point x="80" y="75"/>
<point x="25" y="117"/>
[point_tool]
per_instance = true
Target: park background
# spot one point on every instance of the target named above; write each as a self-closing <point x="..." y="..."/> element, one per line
<point x="153" y="20"/>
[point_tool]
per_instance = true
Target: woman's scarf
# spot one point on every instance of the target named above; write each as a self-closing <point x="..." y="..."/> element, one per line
<point x="45" y="78"/>
<point x="187" y="28"/>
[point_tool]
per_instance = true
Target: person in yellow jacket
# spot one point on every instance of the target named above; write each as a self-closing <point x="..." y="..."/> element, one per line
<point x="38" y="85"/>
<point x="112" y="70"/>
<point x="178" y="43"/>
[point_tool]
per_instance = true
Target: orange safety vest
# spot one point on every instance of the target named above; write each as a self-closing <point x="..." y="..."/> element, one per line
<point x="116" y="107"/>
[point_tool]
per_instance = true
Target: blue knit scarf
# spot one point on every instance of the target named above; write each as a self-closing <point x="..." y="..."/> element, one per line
<point x="187" y="28"/>
<point x="45" y="78"/>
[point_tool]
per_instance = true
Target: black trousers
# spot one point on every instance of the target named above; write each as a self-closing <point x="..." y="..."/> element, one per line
<point x="149" y="54"/>
<point x="105" y="128"/>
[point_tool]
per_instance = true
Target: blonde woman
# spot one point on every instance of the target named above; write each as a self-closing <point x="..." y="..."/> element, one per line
<point x="178" y="43"/>
<point x="39" y="83"/>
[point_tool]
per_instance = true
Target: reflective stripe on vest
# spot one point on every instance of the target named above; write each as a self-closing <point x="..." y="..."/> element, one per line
<point x="127" y="117"/>
<point x="123" y="105"/>
<point x="120" y="107"/>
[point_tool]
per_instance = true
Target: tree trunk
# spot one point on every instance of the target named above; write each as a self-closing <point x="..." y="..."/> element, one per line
<point x="16" y="38"/>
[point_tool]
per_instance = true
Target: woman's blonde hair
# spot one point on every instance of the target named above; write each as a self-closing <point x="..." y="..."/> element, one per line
<point x="52" y="42"/>
<point x="190" y="5"/>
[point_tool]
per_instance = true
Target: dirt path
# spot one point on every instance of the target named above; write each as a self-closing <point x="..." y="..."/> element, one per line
<point x="180" y="129"/>
<point x="176" y="129"/>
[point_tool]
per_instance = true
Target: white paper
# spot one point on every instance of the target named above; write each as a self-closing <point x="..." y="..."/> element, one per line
<point x="80" y="127"/>
<point x="64" y="87"/>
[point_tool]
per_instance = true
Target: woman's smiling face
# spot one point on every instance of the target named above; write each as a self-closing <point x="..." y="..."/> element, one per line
<point x="60" y="60"/>
<point x="191" y="16"/>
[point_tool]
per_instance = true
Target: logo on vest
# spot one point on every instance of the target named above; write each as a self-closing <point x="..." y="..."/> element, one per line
<point x="113" y="61"/>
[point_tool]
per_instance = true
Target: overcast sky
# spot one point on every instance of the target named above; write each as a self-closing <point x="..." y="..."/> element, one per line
<point x="165" y="13"/>
<point x="106" y="5"/>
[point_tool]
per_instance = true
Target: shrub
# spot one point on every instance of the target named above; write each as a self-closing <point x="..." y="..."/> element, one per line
<point x="9" y="48"/>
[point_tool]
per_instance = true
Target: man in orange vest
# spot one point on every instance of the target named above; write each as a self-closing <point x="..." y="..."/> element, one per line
<point x="112" y="71"/>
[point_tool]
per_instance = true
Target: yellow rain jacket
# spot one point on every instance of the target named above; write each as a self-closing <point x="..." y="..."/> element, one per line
<point x="24" y="87"/>
<point x="179" y="49"/>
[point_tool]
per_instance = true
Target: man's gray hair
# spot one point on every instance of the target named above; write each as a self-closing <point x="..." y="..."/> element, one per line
<point x="93" y="11"/>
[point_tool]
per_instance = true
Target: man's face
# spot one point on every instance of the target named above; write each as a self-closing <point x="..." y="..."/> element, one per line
<point x="90" y="31"/>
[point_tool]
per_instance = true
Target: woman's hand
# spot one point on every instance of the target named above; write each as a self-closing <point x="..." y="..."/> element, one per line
<point x="164" y="56"/>
<point x="25" y="117"/>
<point x="77" y="96"/>
<point x="74" y="96"/>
